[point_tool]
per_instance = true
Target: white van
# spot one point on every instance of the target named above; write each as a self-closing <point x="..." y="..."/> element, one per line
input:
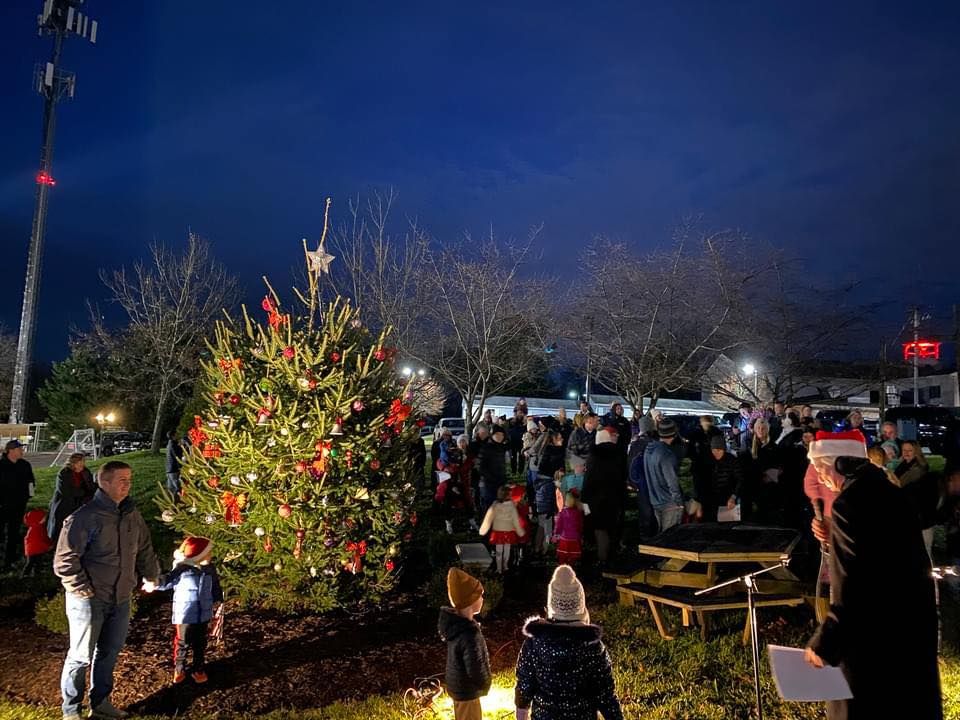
<point x="455" y="425"/>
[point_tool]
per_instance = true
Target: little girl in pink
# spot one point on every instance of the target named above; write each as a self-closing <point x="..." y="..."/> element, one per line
<point x="568" y="530"/>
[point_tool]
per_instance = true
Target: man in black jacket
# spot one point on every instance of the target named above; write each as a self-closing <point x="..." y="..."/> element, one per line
<point x="882" y="626"/>
<point x="721" y="482"/>
<point x="16" y="489"/>
<point x="698" y="450"/>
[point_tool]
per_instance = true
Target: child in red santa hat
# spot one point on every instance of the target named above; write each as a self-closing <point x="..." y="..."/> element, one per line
<point x="196" y="588"/>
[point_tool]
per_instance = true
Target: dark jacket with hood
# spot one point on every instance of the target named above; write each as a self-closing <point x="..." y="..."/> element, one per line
<point x="16" y="481"/>
<point x="104" y="549"/>
<point x="565" y="673"/>
<point x="886" y="648"/>
<point x="71" y="493"/>
<point x="492" y="465"/>
<point x="468" y="664"/>
<point x="604" y="488"/>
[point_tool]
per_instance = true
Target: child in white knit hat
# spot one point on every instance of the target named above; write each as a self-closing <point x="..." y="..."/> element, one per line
<point x="564" y="671"/>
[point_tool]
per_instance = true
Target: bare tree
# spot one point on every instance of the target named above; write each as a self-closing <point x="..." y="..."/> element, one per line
<point x="170" y="305"/>
<point x="463" y="310"/>
<point x="653" y="324"/>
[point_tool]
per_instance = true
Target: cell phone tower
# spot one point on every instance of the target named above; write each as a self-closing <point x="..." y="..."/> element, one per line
<point x="59" y="18"/>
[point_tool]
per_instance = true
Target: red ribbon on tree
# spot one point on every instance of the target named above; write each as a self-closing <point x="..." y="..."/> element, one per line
<point x="228" y="366"/>
<point x="359" y="550"/>
<point x="399" y="412"/>
<point x="273" y="316"/>
<point x="231" y="509"/>
<point x="196" y="434"/>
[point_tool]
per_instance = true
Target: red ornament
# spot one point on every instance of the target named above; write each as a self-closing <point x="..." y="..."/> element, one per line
<point x="267" y="545"/>
<point x="312" y="384"/>
<point x="421" y="423"/>
<point x="234" y="399"/>
<point x="285" y="510"/>
<point x="357" y="406"/>
<point x="374" y="464"/>
<point x="413" y="518"/>
<point x="397" y="517"/>
<point x="407" y="536"/>
<point x="274" y="318"/>
<point x="349" y="458"/>
<point x="380" y="355"/>
<point x="289" y="352"/>
<point x="389" y="565"/>
<point x="213" y="481"/>
<point x="300" y="467"/>
<point x="335" y="357"/>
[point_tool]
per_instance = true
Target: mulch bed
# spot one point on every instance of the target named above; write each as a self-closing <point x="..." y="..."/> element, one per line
<point x="268" y="660"/>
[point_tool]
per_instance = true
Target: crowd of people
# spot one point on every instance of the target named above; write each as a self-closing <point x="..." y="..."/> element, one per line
<point x="514" y="477"/>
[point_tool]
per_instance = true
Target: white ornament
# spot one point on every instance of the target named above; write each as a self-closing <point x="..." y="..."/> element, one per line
<point x="259" y="532"/>
<point x="234" y="480"/>
<point x="303" y="383"/>
<point x="305" y="424"/>
<point x="252" y="476"/>
<point x="278" y="567"/>
<point x="284" y="432"/>
<point x="167" y="516"/>
<point x="271" y="442"/>
<point x="192" y="508"/>
<point x="210" y="519"/>
<point x="313" y="572"/>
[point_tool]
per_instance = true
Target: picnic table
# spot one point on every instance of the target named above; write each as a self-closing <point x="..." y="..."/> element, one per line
<point x="687" y="558"/>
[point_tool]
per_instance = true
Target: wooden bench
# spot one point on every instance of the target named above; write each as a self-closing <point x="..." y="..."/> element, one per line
<point x="698" y="606"/>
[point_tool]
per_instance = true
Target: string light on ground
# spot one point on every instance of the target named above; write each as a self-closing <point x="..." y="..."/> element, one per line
<point x="428" y="700"/>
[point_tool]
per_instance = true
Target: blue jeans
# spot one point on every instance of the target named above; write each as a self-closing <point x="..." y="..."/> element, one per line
<point x="98" y="630"/>
<point x="173" y="484"/>
<point x="668" y="516"/>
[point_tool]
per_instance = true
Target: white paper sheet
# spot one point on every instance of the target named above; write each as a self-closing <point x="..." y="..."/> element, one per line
<point x="725" y="515"/>
<point x="796" y="680"/>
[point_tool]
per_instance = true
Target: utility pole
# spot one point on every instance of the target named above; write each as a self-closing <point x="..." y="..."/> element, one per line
<point x="916" y="356"/>
<point x="59" y="18"/>
<point x="883" y="379"/>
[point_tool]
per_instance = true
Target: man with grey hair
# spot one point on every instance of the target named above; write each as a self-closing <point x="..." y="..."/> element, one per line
<point x="103" y="551"/>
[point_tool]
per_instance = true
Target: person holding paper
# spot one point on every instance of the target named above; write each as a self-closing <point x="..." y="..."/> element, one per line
<point x="724" y="484"/>
<point x="882" y="626"/>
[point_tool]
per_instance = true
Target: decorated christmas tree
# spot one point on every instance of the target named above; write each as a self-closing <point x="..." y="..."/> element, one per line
<point x="301" y="469"/>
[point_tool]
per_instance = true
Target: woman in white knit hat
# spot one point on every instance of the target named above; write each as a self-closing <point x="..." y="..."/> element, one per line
<point x="564" y="671"/>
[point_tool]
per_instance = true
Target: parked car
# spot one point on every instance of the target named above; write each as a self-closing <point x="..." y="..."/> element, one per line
<point x="455" y="425"/>
<point x="937" y="428"/>
<point x="124" y="442"/>
<point x="426" y="431"/>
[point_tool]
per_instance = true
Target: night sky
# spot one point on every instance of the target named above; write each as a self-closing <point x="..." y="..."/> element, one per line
<point x="830" y="129"/>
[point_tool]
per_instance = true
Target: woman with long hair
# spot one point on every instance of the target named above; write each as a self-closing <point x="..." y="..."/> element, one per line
<point x="766" y="467"/>
<point x="921" y="486"/>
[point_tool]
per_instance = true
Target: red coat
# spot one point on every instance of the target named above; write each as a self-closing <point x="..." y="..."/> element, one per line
<point x="37" y="542"/>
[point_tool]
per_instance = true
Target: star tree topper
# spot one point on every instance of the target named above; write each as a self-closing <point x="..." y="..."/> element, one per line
<point x="320" y="260"/>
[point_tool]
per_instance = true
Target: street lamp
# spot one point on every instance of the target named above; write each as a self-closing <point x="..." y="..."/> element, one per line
<point x="751" y="369"/>
<point x="572" y="394"/>
<point x="406" y="371"/>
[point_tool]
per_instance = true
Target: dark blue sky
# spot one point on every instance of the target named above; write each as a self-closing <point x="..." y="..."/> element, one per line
<point x="832" y="129"/>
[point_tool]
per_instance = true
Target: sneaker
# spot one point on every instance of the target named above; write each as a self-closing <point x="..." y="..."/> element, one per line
<point x="199" y="677"/>
<point x="75" y="715"/>
<point x="106" y="711"/>
<point x="179" y="676"/>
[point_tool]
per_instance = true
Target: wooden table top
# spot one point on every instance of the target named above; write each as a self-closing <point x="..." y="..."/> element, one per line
<point x="723" y="542"/>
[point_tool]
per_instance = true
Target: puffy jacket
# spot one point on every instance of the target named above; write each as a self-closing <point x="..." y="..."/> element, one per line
<point x="104" y="549"/>
<point x="36" y="541"/>
<point x="564" y="671"/>
<point x="660" y="470"/>
<point x="468" y="664"/>
<point x="578" y="446"/>
<point x="502" y="517"/>
<point x="71" y="493"/>
<point x="195" y="590"/>
<point x="546" y="495"/>
<point x="725" y="479"/>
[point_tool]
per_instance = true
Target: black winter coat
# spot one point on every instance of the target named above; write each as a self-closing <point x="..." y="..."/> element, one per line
<point x="698" y="449"/>
<point x="492" y="464"/>
<point x="15" y="481"/>
<point x="68" y="497"/>
<point x="882" y="626"/>
<point x="468" y="664"/>
<point x="721" y="479"/>
<point x="552" y="458"/>
<point x="565" y="673"/>
<point x="604" y="487"/>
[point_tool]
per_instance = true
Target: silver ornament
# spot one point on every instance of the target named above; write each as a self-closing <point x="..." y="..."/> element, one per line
<point x="259" y="532"/>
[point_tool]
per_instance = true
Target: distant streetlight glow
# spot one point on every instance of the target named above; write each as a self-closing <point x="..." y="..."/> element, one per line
<point x="572" y="394"/>
<point x="751" y="369"/>
<point x="421" y="372"/>
<point x="407" y="371"/>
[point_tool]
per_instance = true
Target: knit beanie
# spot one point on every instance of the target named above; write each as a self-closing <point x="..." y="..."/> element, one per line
<point x="718" y="443"/>
<point x="851" y="443"/>
<point x="565" y="598"/>
<point x="464" y="589"/>
<point x="193" y="551"/>
<point x="668" y="428"/>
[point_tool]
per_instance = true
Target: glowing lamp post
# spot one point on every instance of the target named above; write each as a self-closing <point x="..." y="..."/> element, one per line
<point x="109" y="419"/>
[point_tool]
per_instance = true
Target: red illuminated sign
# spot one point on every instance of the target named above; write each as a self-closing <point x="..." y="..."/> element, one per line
<point x="922" y="350"/>
<point x="45" y="179"/>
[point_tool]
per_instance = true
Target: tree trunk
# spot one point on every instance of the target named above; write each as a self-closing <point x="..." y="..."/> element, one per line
<point x="468" y="420"/>
<point x="158" y="420"/>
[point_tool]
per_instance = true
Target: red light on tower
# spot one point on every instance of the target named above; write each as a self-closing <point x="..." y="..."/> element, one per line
<point x="921" y="350"/>
<point x="45" y="178"/>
